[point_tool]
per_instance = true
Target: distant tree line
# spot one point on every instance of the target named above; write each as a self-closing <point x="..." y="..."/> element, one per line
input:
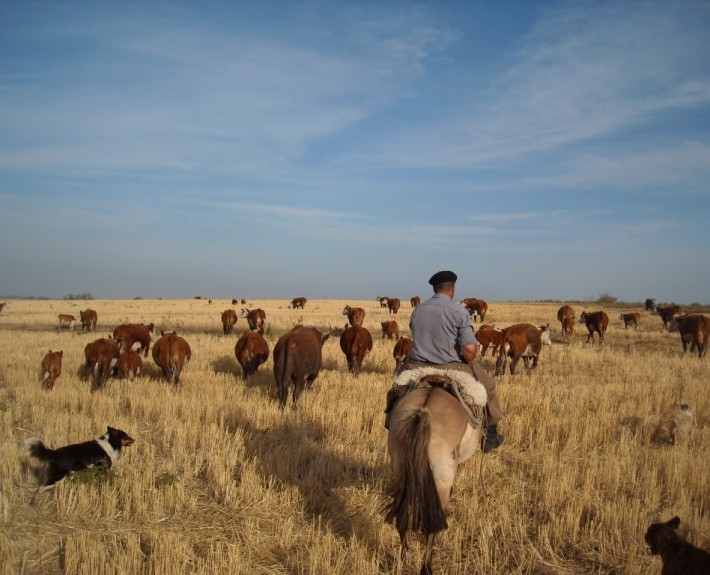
<point x="85" y="295"/>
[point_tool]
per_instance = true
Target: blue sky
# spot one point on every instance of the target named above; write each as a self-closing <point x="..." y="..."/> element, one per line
<point x="542" y="150"/>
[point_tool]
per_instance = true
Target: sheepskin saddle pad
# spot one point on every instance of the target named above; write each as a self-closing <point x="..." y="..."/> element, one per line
<point x="470" y="389"/>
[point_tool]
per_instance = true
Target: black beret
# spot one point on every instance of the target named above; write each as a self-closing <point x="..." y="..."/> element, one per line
<point x="442" y="277"/>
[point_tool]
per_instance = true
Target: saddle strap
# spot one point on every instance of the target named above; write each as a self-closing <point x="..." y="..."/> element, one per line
<point x="476" y="420"/>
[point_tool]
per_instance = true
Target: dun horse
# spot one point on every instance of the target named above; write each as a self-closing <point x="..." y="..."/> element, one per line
<point x="429" y="436"/>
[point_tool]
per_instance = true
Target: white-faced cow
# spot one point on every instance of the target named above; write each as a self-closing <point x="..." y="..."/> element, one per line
<point x="101" y="357"/>
<point x="383" y="300"/>
<point x="415" y="301"/>
<point x="88" y="318"/>
<point x="298" y="302"/>
<point x="129" y="364"/>
<point x="596" y="322"/>
<point x="632" y="319"/>
<point x="356" y="343"/>
<point x="66" y="321"/>
<point x="488" y="335"/>
<point x="694" y="330"/>
<point x="565" y="315"/>
<point x="51" y="368"/>
<point x="251" y="350"/>
<point x="650" y="304"/>
<point x="171" y="353"/>
<point x="229" y="318"/>
<point x="256" y="318"/>
<point x="667" y="314"/>
<point x="356" y="315"/>
<point x="298" y="355"/>
<point x="401" y="352"/>
<point x="135" y="333"/>
<point x="393" y="305"/>
<point x="524" y="341"/>
<point x="390" y="329"/>
<point x="475" y="307"/>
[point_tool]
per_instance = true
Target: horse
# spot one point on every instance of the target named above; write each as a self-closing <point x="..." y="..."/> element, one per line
<point x="430" y="434"/>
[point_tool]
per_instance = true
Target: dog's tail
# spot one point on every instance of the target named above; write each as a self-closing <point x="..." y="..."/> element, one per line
<point x="37" y="449"/>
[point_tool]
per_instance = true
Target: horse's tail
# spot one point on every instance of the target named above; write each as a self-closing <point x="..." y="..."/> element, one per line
<point x="415" y="503"/>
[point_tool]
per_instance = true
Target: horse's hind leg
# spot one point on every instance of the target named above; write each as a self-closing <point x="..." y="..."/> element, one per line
<point x="428" y="552"/>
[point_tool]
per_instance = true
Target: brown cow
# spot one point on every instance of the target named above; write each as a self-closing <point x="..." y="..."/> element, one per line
<point x="298" y="355"/>
<point x="229" y="318"/>
<point x="2" y="305"/>
<point x="132" y="333"/>
<point x="402" y="351"/>
<point x="170" y="353"/>
<point x="565" y="315"/>
<point x="524" y="341"/>
<point x="66" y="321"/>
<point x="631" y="319"/>
<point x="694" y="330"/>
<point x="256" y="318"/>
<point x="251" y="351"/>
<point x="393" y="305"/>
<point x="667" y="314"/>
<point x="489" y="336"/>
<point x="88" y="319"/>
<point x="356" y="343"/>
<point x="356" y="315"/>
<point x="475" y="307"/>
<point x="238" y="301"/>
<point x="129" y="364"/>
<point x="415" y="301"/>
<point x="298" y="302"/>
<point x="51" y="368"/>
<point x="650" y="304"/>
<point x="596" y="321"/>
<point x="383" y="300"/>
<point x="390" y="329"/>
<point x="101" y="357"/>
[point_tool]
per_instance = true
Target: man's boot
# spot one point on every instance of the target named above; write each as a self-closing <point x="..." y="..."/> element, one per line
<point x="493" y="439"/>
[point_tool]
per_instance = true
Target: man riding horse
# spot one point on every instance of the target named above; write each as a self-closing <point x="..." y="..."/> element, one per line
<point x="443" y="338"/>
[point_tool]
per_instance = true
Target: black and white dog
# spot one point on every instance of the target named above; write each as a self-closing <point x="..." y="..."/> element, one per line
<point x="62" y="461"/>
<point x="679" y="557"/>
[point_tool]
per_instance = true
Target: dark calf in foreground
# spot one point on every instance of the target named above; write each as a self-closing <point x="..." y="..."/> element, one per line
<point x="297" y="361"/>
<point x="356" y="343"/>
<point x="679" y="557"/>
<point x="251" y="350"/>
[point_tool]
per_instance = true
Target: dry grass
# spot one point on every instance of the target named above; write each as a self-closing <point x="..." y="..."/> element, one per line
<point x="220" y="481"/>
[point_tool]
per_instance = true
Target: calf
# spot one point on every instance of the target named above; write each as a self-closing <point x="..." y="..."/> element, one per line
<point x="171" y="353"/>
<point x="565" y="315"/>
<point x="101" y="357"/>
<point x="631" y="319"/>
<point x="393" y="305"/>
<point x="356" y="343"/>
<point x="251" y="351"/>
<point x="650" y="304"/>
<point x="475" y="307"/>
<point x="390" y="329"/>
<point x="356" y="315"/>
<point x="51" y="368"/>
<point x="66" y="321"/>
<point x="596" y="321"/>
<point x="256" y="318"/>
<point x="415" y="301"/>
<point x="382" y="299"/>
<point x="129" y="364"/>
<point x="489" y="336"/>
<point x="88" y="319"/>
<point x="402" y="351"/>
<point x="229" y="318"/>
<point x="667" y="314"/>
<point x="298" y="355"/>
<point x="694" y="330"/>
<point x="679" y="557"/>
<point x="524" y="341"/>
<point x="298" y="302"/>
<point x="132" y="333"/>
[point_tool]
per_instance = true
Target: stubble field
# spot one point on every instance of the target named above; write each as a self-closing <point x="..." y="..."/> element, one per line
<point x="220" y="481"/>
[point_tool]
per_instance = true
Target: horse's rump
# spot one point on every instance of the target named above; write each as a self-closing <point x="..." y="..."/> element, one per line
<point x="415" y="503"/>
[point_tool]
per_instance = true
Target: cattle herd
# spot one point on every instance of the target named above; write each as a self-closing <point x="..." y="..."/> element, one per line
<point x="297" y="353"/>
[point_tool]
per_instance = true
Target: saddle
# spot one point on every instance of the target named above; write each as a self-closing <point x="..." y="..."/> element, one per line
<point x="463" y="386"/>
